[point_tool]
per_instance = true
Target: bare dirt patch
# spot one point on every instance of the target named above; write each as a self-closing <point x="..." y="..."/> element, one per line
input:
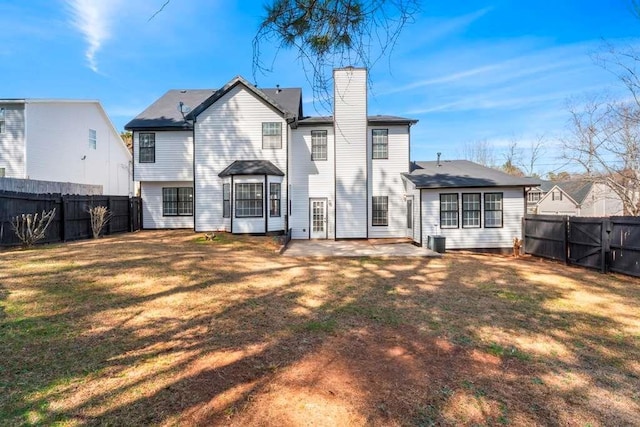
<point x="166" y="328"/>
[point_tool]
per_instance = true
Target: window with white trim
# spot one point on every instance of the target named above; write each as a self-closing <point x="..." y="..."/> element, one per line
<point x="93" y="139"/>
<point x="177" y="201"/>
<point x="318" y="145"/>
<point x="147" y="147"/>
<point x="556" y="195"/>
<point x="449" y="210"/>
<point x="534" y="196"/>
<point x="248" y="196"/>
<point x="226" y="200"/>
<point x="380" y="143"/>
<point x="379" y="210"/>
<point x="274" y="199"/>
<point x="271" y="135"/>
<point x="493" y="210"/>
<point x="470" y="210"/>
<point x="3" y="172"/>
<point x="2" y="120"/>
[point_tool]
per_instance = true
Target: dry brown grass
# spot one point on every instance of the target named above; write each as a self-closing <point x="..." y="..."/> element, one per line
<point x="162" y="328"/>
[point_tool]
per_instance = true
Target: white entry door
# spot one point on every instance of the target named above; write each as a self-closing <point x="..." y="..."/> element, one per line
<point x="318" y="218"/>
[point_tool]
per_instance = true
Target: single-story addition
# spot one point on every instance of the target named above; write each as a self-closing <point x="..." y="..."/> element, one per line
<point x="243" y="159"/>
<point x="472" y="206"/>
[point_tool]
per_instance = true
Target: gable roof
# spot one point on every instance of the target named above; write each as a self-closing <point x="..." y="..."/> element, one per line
<point x="251" y="167"/>
<point x="576" y="190"/>
<point x="164" y="112"/>
<point x="462" y="173"/>
<point x="277" y="98"/>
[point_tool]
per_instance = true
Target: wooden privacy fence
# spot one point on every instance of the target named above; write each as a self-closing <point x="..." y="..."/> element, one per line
<point x="606" y="244"/>
<point x="72" y="220"/>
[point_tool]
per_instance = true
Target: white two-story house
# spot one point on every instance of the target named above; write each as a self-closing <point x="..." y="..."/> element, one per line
<point x="243" y="159"/>
<point x="62" y="140"/>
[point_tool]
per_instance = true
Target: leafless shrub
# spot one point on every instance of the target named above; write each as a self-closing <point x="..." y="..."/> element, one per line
<point x="32" y="227"/>
<point x="100" y="216"/>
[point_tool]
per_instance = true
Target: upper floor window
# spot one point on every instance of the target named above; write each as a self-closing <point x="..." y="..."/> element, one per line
<point x="380" y="141"/>
<point x="449" y="210"/>
<point x="556" y="195"/>
<point x="493" y="210"/>
<point x="93" y="139"/>
<point x="471" y="210"/>
<point x="318" y="145"/>
<point x="271" y="135"/>
<point x="147" y="147"/>
<point x="177" y="201"/>
<point x="380" y="210"/>
<point x="533" y="196"/>
<point x="2" y="120"/>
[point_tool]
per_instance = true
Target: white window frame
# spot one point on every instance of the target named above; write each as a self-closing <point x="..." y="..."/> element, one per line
<point x="379" y="211"/>
<point x="493" y="203"/>
<point x="379" y="144"/>
<point x="271" y="135"/>
<point x="447" y="221"/>
<point x="93" y="139"/>
<point x="319" y="149"/>
<point x="249" y="207"/>
<point x="469" y="221"/>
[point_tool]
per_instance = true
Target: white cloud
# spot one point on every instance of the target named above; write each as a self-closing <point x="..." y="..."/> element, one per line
<point x="93" y="20"/>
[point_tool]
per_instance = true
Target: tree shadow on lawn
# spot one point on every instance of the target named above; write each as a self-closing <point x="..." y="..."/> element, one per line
<point x="218" y="337"/>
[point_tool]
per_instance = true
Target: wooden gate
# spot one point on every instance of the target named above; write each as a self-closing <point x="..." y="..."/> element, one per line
<point x="588" y="242"/>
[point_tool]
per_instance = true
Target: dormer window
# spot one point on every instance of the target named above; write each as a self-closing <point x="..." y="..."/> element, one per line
<point x="271" y="135"/>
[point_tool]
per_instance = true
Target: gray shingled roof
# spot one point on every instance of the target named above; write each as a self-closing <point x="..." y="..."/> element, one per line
<point x="577" y="190"/>
<point x="462" y="173"/>
<point x="318" y="120"/>
<point x="164" y="112"/>
<point x="251" y="167"/>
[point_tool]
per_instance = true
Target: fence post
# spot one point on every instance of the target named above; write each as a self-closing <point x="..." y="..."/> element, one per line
<point x="605" y="246"/>
<point x="109" y="227"/>
<point x="63" y="218"/>
<point x="565" y="239"/>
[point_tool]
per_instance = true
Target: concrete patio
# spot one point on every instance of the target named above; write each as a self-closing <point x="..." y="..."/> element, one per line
<point x="355" y="248"/>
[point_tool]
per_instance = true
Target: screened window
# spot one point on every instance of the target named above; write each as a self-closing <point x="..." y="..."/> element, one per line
<point x="2" y="120"/>
<point x="449" y="210"/>
<point x="380" y="140"/>
<point x="318" y="145"/>
<point x="493" y="210"/>
<point x="177" y="201"/>
<point x="147" y="147"/>
<point x="226" y="200"/>
<point x="93" y="139"/>
<point x="274" y="199"/>
<point x="380" y="210"/>
<point x="471" y="210"/>
<point x="272" y="135"/>
<point x="249" y="200"/>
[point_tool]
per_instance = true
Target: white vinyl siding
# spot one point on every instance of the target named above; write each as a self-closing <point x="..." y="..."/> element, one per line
<point x="351" y="150"/>
<point x="513" y="207"/>
<point x="12" y="141"/>
<point x="57" y="147"/>
<point x="172" y="155"/>
<point x="310" y="179"/>
<point x="385" y="178"/>
<point x="152" y="206"/>
<point x="231" y="129"/>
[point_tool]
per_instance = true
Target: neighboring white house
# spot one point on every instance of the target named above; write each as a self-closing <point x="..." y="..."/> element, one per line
<point x="246" y="160"/>
<point x="64" y="141"/>
<point x="578" y="198"/>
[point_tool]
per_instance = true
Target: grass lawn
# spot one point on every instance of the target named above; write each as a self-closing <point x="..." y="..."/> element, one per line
<point x="164" y="328"/>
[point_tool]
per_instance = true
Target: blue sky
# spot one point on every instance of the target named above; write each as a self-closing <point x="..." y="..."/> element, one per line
<point x="468" y="71"/>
